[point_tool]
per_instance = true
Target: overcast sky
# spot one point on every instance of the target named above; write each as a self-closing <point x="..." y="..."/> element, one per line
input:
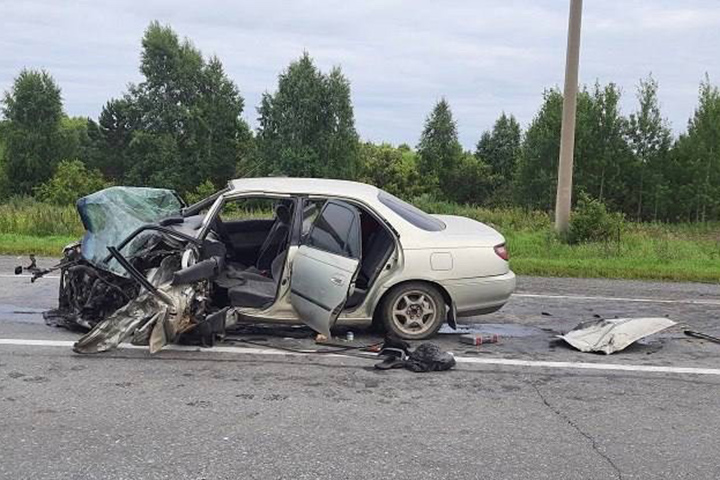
<point x="401" y="56"/>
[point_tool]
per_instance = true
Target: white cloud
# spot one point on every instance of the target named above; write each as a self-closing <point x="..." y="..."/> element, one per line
<point x="400" y="55"/>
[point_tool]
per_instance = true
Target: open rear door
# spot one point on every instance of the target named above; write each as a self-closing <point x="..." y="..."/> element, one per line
<point x="325" y="266"/>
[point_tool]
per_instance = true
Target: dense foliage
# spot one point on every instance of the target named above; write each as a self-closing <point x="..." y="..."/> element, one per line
<point x="177" y="128"/>
<point x="32" y="134"/>
<point x="591" y="222"/>
<point x="307" y="127"/>
<point x="182" y="127"/>
<point x="71" y="180"/>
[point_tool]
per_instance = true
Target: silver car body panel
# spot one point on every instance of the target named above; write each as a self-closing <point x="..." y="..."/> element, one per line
<point x="460" y="258"/>
<point x="615" y="334"/>
<point x="319" y="286"/>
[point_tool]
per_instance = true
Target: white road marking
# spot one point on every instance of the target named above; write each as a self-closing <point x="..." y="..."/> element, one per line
<point x="690" y="301"/>
<point x="5" y="275"/>
<point x="687" y="301"/>
<point x="129" y="346"/>
<point x="589" y="366"/>
<point x="507" y="362"/>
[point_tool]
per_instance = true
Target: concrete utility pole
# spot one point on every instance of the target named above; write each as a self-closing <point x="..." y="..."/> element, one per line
<point x="567" y="136"/>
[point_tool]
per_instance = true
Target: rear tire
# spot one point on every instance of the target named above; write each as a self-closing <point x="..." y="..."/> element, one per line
<point x="413" y="311"/>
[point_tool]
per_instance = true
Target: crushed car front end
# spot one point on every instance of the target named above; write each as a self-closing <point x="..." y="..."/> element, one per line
<point x="140" y="271"/>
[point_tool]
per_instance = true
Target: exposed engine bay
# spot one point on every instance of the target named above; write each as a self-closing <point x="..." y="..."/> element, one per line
<point x="141" y="272"/>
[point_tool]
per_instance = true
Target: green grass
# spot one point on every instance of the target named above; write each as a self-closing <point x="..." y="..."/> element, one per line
<point x="637" y="256"/>
<point x="678" y="252"/>
<point x="25" y="216"/>
<point x="51" y="246"/>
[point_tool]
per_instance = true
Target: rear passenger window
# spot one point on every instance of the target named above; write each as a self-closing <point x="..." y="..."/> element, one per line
<point x="311" y="209"/>
<point x="411" y="213"/>
<point x="335" y="231"/>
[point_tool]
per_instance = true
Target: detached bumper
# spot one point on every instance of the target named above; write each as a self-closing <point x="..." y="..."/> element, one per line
<point x="480" y="295"/>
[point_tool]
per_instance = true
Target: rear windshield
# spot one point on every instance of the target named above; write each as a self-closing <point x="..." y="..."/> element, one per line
<point x="411" y="213"/>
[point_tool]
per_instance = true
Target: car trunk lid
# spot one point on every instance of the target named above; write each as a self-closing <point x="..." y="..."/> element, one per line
<point x="466" y="232"/>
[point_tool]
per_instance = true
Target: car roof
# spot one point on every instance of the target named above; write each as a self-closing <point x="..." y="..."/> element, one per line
<point x="308" y="186"/>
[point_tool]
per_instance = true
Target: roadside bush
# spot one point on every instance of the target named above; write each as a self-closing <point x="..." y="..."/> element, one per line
<point x="591" y="222"/>
<point x="393" y="169"/>
<point x="27" y="216"/>
<point x="470" y="181"/>
<point x="71" y="181"/>
<point x="202" y="191"/>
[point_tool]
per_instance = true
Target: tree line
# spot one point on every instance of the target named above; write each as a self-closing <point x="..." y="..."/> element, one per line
<point x="181" y="127"/>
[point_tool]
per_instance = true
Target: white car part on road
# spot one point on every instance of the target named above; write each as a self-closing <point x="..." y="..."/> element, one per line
<point x="613" y="335"/>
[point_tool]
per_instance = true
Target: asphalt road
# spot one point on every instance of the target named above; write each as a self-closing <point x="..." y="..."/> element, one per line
<point x="210" y="414"/>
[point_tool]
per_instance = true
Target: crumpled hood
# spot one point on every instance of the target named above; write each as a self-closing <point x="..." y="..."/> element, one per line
<point x="110" y="215"/>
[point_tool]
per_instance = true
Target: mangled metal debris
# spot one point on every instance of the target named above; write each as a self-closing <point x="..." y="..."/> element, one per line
<point x="151" y="270"/>
<point x="613" y="335"/>
<point x="154" y="291"/>
<point x="702" y="336"/>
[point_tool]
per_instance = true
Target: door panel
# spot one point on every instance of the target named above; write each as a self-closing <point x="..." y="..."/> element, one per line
<point x="319" y="286"/>
<point x="324" y="268"/>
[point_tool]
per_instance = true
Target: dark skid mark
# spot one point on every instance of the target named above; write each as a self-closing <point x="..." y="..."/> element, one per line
<point x="13" y="313"/>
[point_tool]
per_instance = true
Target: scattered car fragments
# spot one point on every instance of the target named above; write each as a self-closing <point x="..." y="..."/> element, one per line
<point x="613" y="335"/>
<point x="151" y="269"/>
<point x="703" y="336"/>
<point x="478" y="339"/>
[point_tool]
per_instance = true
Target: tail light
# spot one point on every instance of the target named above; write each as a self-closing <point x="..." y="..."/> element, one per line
<point x="502" y="252"/>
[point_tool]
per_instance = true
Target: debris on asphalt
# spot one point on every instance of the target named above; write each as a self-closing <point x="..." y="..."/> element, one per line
<point x="427" y="357"/>
<point x="32" y="268"/>
<point x="274" y="330"/>
<point x="703" y="336"/>
<point x="343" y="343"/>
<point x="394" y="352"/>
<point x="479" y="339"/>
<point x="613" y="335"/>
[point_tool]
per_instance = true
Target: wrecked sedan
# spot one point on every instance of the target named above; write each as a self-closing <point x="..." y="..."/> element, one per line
<point x="272" y="250"/>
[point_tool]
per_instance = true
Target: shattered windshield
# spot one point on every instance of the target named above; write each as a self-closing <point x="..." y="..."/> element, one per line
<point x="110" y="215"/>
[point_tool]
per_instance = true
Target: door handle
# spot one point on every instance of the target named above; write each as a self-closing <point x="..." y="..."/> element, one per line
<point x="337" y="280"/>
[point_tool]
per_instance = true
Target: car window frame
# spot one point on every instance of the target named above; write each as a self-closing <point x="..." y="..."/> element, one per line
<point x="217" y="206"/>
<point x="400" y="208"/>
<point x="355" y="221"/>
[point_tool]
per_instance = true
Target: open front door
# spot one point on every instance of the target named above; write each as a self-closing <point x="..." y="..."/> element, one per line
<point x="325" y="266"/>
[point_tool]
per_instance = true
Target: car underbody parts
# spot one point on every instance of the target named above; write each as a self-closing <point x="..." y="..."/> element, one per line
<point x="704" y="336"/>
<point x="155" y="317"/>
<point x="138" y="277"/>
<point x="87" y="294"/>
<point x="38" y="272"/>
<point x="32" y="268"/>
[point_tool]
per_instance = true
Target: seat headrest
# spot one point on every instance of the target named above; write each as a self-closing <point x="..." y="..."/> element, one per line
<point x="282" y="212"/>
